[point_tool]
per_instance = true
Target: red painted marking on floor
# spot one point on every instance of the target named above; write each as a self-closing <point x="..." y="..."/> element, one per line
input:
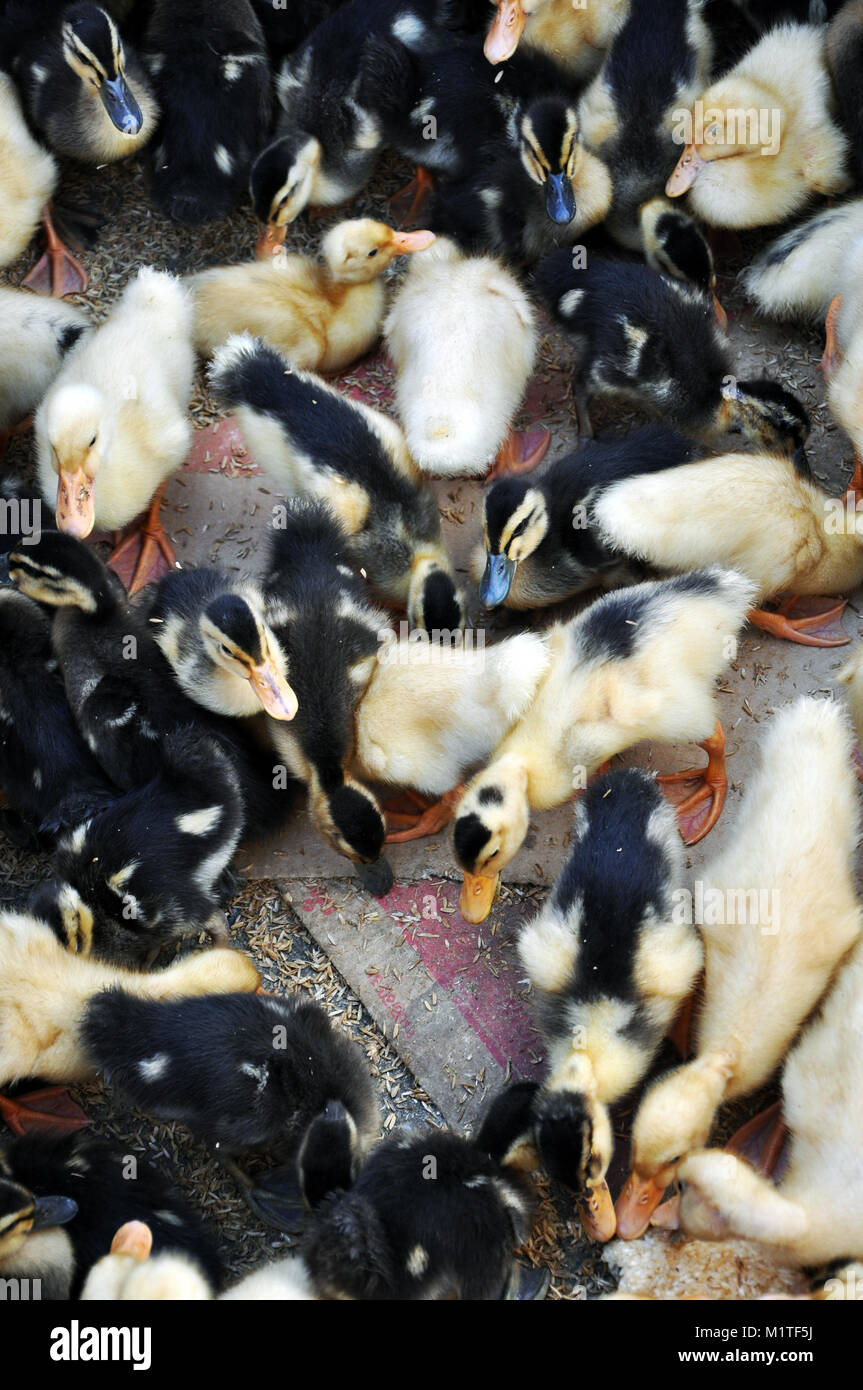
<point x="221" y="448"/>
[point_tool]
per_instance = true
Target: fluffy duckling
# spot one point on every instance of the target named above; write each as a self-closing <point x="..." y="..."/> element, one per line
<point x="462" y="335"/>
<point x="131" y="1272"/>
<point x="431" y="1216"/>
<point x="44" y="991"/>
<point x="814" y="1214"/>
<point x="35" y="337"/>
<point x="33" y="1243"/>
<point x="843" y="354"/>
<point x="28" y="175"/>
<point x="115" y="423"/>
<point x="315" y="442"/>
<point x="84" y="92"/>
<point x="657" y="64"/>
<point x="844" y="55"/>
<point x="798" y="275"/>
<point x="639" y="663"/>
<point x="211" y="73"/>
<point x="755" y="513"/>
<point x="323" y="317"/>
<point x="575" y="36"/>
<point x="650" y="340"/>
<point x="795" y="840"/>
<point x="610" y="965"/>
<point x="83" y="1172"/>
<point x="211" y="628"/>
<point x="675" y="245"/>
<point x="762" y="140"/>
<point x="539" y="546"/>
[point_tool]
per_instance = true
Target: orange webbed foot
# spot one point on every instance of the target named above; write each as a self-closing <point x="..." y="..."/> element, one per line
<point x="409" y="203"/>
<point x="699" y="810"/>
<point x="431" y="819"/>
<point x="147" y="540"/>
<point x="50" y="1110"/>
<point x="817" y="624"/>
<point x="520" y="453"/>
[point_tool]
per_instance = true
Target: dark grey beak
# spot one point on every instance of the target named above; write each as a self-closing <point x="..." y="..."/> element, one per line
<point x="497" y="580"/>
<point x="53" y="1211"/>
<point x="121" y="106"/>
<point x="559" y="198"/>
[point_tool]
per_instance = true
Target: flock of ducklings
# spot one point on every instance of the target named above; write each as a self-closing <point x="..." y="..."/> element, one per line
<point x="530" y="124"/>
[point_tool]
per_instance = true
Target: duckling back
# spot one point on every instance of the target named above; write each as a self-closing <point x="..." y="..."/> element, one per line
<point x="27" y="175"/>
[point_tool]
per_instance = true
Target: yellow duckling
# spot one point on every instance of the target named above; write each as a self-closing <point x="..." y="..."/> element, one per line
<point x="322" y="317"/>
<point x="762" y="140"/>
<point x="28" y="176"/>
<point x="788" y="873"/>
<point x="575" y="34"/>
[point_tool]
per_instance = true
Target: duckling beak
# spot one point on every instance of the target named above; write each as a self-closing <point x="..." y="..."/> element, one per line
<point x="597" y="1214"/>
<point x="52" y="1211"/>
<point x="271" y="241"/>
<point x="501" y="41"/>
<point x="273" y="691"/>
<point x="76" y="507"/>
<point x="477" y="895"/>
<point x="686" y="171"/>
<point x="134" y="1238"/>
<point x="636" y="1204"/>
<point x="406" y="242"/>
<point x="121" y="106"/>
<point x="497" y="580"/>
<point x="559" y="198"/>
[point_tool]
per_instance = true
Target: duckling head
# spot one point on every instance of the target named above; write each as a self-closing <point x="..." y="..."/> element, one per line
<point x="575" y="1144"/>
<point x="80" y="435"/>
<point x="492" y="822"/>
<point x="674" y="244"/>
<point x="674" y="1118"/>
<point x="93" y="49"/>
<point x="21" y="1214"/>
<point x="63" y="909"/>
<point x="329" y="1155"/>
<point x="549" y="149"/>
<point x="514" y="522"/>
<point x="726" y="132"/>
<point x="281" y="184"/>
<point x="349" y="818"/>
<point x="63" y="573"/>
<point x="239" y="643"/>
<point x="434" y="601"/>
<point x="507" y="27"/>
<point x="360" y="250"/>
<point x="773" y="418"/>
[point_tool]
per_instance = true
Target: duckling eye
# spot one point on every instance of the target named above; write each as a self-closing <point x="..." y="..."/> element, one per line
<point x="226" y="650"/>
<point x="520" y="528"/>
<point x="92" y="442"/>
<point x="373" y="253"/>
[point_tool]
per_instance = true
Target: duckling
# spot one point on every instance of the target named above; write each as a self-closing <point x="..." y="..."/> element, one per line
<point x="316" y="442"/>
<point x="33" y="1245"/>
<point x="756" y="513"/>
<point x="211" y="73"/>
<point x="798" y="274"/>
<point x="843" y="354"/>
<point x="34" y="340"/>
<point x="86" y="1173"/>
<point x="85" y="93"/>
<point x="242" y="1072"/>
<point x="639" y="663"/>
<point x="844" y="55"/>
<point x="462" y="334"/>
<point x="115" y="424"/>
<point x="130" y="1272"/>
<point x="648" y="339"/>
<point x="211" y="628"/>
<point x="610" y="964"/>
<point x="44" y="991"/>
<point x="575" y="36"/>
<point x="796" y="836"/>
<point x="675" y="245"/>
<point x="28" y="176"/>
<point x="814" y="1214"/>
<point x="538" y="545"/>
<point x="396" y="1234"/>
<point x="762" y="140"/>
<point x="286" y="28"/>
<point x="323" y="317"/>
<point x="657" y="64"/>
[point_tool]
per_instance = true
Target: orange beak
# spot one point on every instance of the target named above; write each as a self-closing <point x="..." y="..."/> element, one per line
<point x="719" y="313"/>
<point x="501" y="41"/>
<point x="477" y="896"/>
<point x="405" y="242"/>
<point x="273" y="691"/>
<point x="636" y="1204"/>
<point x="76" y="508"/>
<point x="597" y="1214"/>
<point x="133" y="1239"/>
<point x="270" y="242"/>
<point x="686" y="171"/>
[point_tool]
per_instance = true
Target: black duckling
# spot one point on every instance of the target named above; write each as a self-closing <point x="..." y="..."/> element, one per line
<point x="211" y="628"/>
<point x="36" y="1254"/>
<point x="539" y="545"/>
<point x="285" y="26"/>
<point x="431" y="1216"/>
<point x="844" y="54"/>
<point x="651" y="340"/>
<point x="610" y="966"/>
<point x="315" y="442"/>
<point x="148" y="870"/>
<point x="331" y="636"/>
<point x="211" y="72"/>
<point x="243" y="1072"/>
<point x="108" y="1188"/>
<point x="48" y="774"/>
<point x="674" y="244"/>
<point x="86" y="95"/>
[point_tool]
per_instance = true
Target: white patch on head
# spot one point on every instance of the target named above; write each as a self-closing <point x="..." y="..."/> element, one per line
<point x="417" y="1262"/>
<point x="224" y="159"/>
<point x="151" y="1068"/>
<point x="199" y="822"/>
<point x="38" y="73"/>
<point x="408" y="28"/>
<point x="569" y="302"/>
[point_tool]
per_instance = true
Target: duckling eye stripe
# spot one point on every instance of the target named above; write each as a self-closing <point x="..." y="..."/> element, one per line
<point x="83" y="54"/>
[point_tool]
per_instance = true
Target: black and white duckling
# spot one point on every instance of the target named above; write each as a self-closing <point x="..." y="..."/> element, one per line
<point x="639" y="663"/>
<point x="431" y="1216"/>
<point x="28" y="176"/>
<point x="243" y="1072"/>
<point x="87" y="96"/>
<point x="315" y="442"/>
<point x="658" y="63"/>
<point x="211" y="73"/>
<point x="610" y="965"/>
<point x="47" y="773"/>
<point x="211" y="628"/>
<point x="317" y="608"/>
<point x="35" y="336"/>
<point x="798" y="275"/>
<point x="34" y="1248"/>
<point x="83" y="1172"/>
<point x="674" y="244"/>
<point x="645" y="338"/>
<point x="539" y="545"/>
<point x="148" y="870"/>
